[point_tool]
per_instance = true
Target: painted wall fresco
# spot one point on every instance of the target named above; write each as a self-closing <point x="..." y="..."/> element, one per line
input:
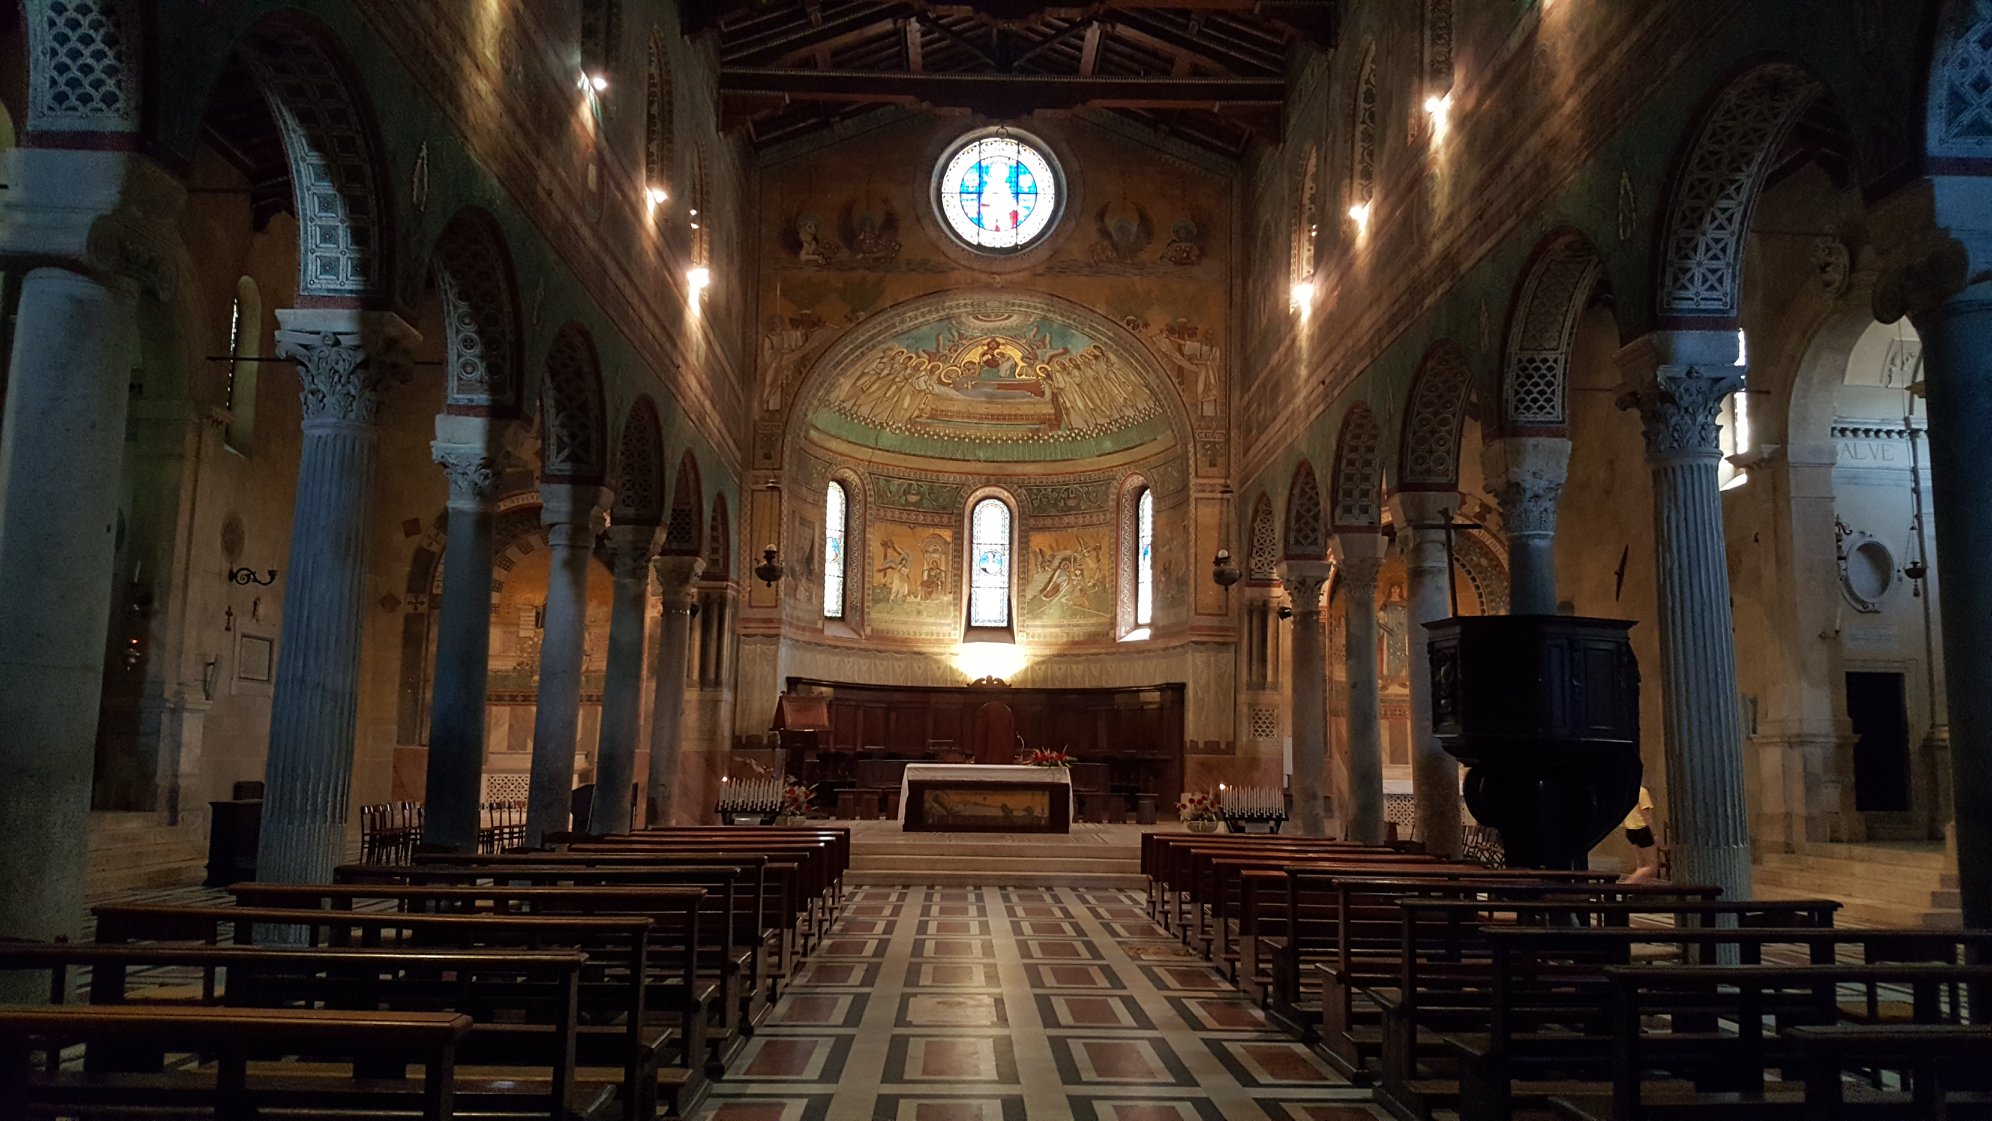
<point x="1070" y="578"/>
<point x="914" y="577"/>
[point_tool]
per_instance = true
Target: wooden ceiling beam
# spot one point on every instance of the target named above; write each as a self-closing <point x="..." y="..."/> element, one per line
<point x="1003" y="93"/>
<point x="1089" y="55"/>
<point x="798" y="42"/>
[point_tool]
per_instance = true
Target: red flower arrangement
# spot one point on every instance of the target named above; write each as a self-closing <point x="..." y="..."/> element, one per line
<point x="796" y="797"/>
<point x="1043" y="758"/>
<point x="1199" y="806"/>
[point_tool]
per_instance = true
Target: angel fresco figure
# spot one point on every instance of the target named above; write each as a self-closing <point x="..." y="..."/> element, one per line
<point x="873" y="238"/>
<point x="1124" y="231"/>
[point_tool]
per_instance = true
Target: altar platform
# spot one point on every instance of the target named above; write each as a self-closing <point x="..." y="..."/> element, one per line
<point x="1092" y="855"/>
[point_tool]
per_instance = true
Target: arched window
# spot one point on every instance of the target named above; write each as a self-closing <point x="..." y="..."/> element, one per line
<point x="1144" y="559"/>
<point x="836" y="516"/>
<point x="989" y="564"/>
<point x="245" y="345"/>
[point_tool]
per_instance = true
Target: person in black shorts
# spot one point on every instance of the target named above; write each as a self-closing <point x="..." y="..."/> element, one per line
<point x="1639" y="831"/>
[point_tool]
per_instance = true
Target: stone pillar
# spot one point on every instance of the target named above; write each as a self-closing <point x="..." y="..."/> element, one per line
<point x="1957" y="364"/>
<point x="1708" y="822"/>
<point x="676" y="576"/>
<point x="455" y="784"/>
<point x="1428" y="598"/>
<point x="1525" y="475"/>
<point x="1304" y="583"/>
<point x="630" y="548"/>
<point x="345" y="360"/>
<point x="572" y="514"/>
<point x="1361" y="558"/>
<point x="101" y="223"/>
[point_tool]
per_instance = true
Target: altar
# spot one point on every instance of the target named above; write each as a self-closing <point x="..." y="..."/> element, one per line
<point x="977" y="798"/>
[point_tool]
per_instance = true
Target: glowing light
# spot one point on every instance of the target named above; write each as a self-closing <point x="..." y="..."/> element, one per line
<point x="700" y="278"/>
<point x="1302" y="298"/>
<point x="1439" y="108"/>
<point x="598" y="82"/>
<point x="1742" y="348"/>
<point x="1360" y="215"/>
<point x="1001" y="660"/>
<point x="656" y="196"/>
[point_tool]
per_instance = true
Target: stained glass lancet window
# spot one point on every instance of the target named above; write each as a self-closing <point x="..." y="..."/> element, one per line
<point x="989" y="578"/>
<point x="1144" y="559"/>
<point x="998" y="193"/>
<point x="835" y="519"/>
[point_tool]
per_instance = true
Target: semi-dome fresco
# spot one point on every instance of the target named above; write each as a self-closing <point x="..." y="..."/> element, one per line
<point x="1003" y="377"/>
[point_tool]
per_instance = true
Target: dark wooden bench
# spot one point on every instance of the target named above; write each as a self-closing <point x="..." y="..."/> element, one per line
<point x="235" y="1084"/>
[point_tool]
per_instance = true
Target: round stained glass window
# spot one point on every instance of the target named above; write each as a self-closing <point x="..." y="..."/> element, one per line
<point x="997" y="192"/>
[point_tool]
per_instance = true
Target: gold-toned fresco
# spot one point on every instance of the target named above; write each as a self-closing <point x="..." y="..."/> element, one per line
<point x="1070" y="582"/>
<point x="914" y="572"/>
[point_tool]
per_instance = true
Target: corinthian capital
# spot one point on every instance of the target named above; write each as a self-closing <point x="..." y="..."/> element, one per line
<point x="1679" y="406"/>
<point x="345" y="360"/>
<point x="1304" y="582"/>
<point x="676" y="576"/>
<point x="473" y="474"/>
<point x="629" y="548"/>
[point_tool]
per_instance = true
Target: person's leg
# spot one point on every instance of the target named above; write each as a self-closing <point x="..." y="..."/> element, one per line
<point x="1646" y="856"/>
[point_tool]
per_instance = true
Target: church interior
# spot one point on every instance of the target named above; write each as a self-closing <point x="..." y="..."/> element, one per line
<point x="895" y="560"/>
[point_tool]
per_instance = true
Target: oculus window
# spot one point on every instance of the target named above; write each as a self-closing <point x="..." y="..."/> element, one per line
<point x="998" y="192"/>
<point x="835" y="522"/>
<point x="989" y="569"/>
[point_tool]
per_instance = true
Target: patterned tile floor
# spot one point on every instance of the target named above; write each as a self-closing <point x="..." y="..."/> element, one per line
<point x="1000" y="1004"/>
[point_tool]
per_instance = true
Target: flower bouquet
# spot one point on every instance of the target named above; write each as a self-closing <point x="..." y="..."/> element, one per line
<point x="1044" y="758"/>
<point x="1200" y="810"/>
<point x="795" y="801"/>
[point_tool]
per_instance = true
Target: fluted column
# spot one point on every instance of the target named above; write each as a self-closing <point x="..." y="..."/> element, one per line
<point x="345" y="360"/>
<point x="630" y="549"/>
<point x="1525" y="474"/>
<point x="1957" y="364"/>
<point x="572" y="514"/>
<point x="108" y="218"/>
<point x="1428" y="598"/>
<point x="463" y="635"/>
<point x="676" y="576"/>
<point x="1361" y="559"/>
<point x="1304" y="583"/>
<point x="1708" y="822"/>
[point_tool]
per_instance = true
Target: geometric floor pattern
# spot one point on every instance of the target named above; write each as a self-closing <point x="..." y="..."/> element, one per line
<point x="1019" y="1004"/>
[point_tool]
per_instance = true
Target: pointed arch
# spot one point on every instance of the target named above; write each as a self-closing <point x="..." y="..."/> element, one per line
<point x="719" y="542"/>
<point x="1358" y="479"/>
<point x="1428" y="452"/>
<point x="1715" y="187"/>
<point x="1306" y="529"/>
<point x="573" y="427"/>
<point x="685" y="530"/>
<point x="473" y="273"/>
<point x="1535" y="365"/>
<point x="1262" y="560"/>
<point x="330" y="138"/>
<point x="640" y="467"/>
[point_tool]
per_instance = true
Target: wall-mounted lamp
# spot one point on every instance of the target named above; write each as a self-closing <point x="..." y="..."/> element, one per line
<point x="246" y="576"/>
<point x="656" y="196"/>
<point x="1285" y="611"/>
<point x="1439" y="108"/>
<point x="1360" y="215"/>
<point x="1223" y="571"/>
<point x="770" y="568"/>
<point x="1301" y="299"/>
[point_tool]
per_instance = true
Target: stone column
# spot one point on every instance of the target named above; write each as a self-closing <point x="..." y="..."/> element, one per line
<point x="630" y="548"/>
<point x="1304" y="583"/>
<point x="455" y="785"/>
<point x="101" y="223"/>
<point x="1428" y="598"/>
<point x="572" y="514"/>
<point x="345" y="360"/>
<point x="676" y="576"/>
<point x="1708" y="822"/>
<point x="1361" y="558"/>
<point x="1525" y="475"/>
<point x="1957" y="364"/>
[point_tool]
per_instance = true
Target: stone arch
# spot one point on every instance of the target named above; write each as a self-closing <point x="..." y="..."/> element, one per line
<point x="1363" y="134"/>
<point x="572" y="422"/>
<point x="640" y="467"/>
<point x="473" y="273"/>
<point x="1307" y="215"/>
<point x="1716" y="183"/>
<point x="1127" y="549"/>
<point x="1428" y="452"/>
<point x="1262" y="557"/>
<point x="657" y="109"/>
<point x="344" y="231"/>
<point x="1958" y="109"/>
<point x="1535" y="363"/>
<point x="719" y="542"/>
<point x="1358" y="478"/>
<point x="1306" y="529"/>
<point x="84" y="67"/>
<point x="686" y="526"/>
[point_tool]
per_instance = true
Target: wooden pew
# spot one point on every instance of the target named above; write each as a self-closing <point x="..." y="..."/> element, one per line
<point x="233" y="1037"/>
<point x="664" y="1017"/>
<point x="1693" y="1043"/>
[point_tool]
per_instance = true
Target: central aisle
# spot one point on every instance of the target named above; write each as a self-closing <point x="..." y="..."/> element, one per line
<point x="1000" y="1004"/>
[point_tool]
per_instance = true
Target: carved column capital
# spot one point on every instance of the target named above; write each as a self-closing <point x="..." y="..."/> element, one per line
<point x="1358" y="560"/>
<point x="629" y="548"/>
<point x="473" y="475"/>
<point x="1525" y="475"/>
<point x="1679" y="407"/>
<point x="346" y="360"/>
<point x="1304" y="581"/>
<point x="677" y="580"/>
<point x="573" y="514"/>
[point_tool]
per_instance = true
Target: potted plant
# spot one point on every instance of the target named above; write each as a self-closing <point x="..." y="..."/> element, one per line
<point x="1201" y="811"/>
<point x="795" y="802"/>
